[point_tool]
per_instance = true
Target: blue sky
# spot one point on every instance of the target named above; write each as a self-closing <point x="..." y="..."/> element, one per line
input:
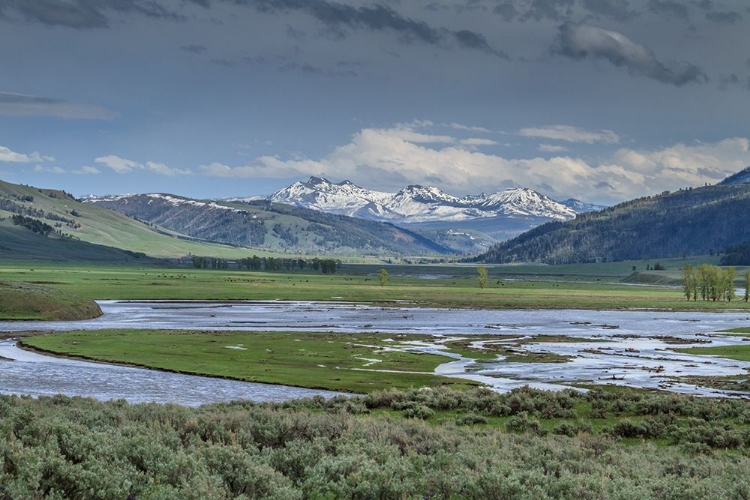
<point x="601" y="100"/>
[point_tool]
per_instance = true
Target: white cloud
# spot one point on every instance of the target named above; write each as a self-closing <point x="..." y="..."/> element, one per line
<point x="9" y="156"/>
<point x="119" y="165"/>
<point x="50" y="170"/>
<point x="384" y="159"/>
<point x="550" y="148"/>
<point x="125" y="166"/>
<point x="86" y="170"/>
<point x="571" y="134"/>
<point x="162" y="169"/>
<point x="469" y="128"/>
<point x="475" y="141"/>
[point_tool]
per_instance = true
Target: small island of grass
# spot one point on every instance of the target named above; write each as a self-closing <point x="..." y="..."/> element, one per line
<point x="25" y="301"/>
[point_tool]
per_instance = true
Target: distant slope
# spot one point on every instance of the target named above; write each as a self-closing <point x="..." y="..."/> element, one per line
<point x="741" y="177"/>
<point x="688" y="222"/>
<point x="271" y="226"/>
<point x="89" y="224"/>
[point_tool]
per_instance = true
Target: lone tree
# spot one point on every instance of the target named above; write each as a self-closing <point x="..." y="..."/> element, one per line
<point x="482" y="276"/>
<point x="747" y="284"/>
<point x="688" y="279"/>
<point x="383" y="276"/>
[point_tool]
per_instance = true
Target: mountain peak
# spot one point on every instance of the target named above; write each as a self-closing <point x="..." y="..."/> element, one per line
<point x="417" y="203"/>
<point x="314" y="181"/>
<point x="741" y="177"/>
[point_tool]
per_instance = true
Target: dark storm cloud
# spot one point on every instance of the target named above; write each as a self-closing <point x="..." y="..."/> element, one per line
<point x="730" y="80"/>
<point x="309" y="69"/>
<point x="375" y="18"/>
<point x="554" y="10"/>
<point x="581" y="41"/>
<point x="507" y="11"/>
<point x="724" y="17"/>
<point x="558" y="10"/>
<point x="619" y="10"/>
<point x="80" y="14"/>
<point x="669" y="7"/>
<point x="194" y="49"/>
<point x="28" y="105"/>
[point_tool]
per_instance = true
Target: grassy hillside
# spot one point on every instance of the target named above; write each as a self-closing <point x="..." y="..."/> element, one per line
<point x="24" y="301"/>
<point x="688" y="222"/>
<point x="273" y="227"/>
<point x="71" y="219"/>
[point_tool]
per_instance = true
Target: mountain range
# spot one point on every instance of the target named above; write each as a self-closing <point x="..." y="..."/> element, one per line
<point x="423" y="204"/>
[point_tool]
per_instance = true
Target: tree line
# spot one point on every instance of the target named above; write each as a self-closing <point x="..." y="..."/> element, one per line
<point x="712" y="283"/>
<point x="255" y="263"/>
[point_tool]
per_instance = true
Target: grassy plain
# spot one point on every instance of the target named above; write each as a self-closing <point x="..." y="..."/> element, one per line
<point x="429" y="286"/>
<point x="359" y="363"/>
<point x="353" y="363"/>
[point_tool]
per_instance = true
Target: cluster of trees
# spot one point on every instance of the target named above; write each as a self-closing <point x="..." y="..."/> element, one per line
<point x="59" y="447"/>
<point x="711" y="282"/>
<point x="32" y="224"/>
<point x="209" y="263"/>
<point x="255" y="263"/>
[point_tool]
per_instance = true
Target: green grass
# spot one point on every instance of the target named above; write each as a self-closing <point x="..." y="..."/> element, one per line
<point x="738" y="352"/>
<point x="106" y="227"/>
<point x="317" y="360"/>
<point x="24" y="301"/>
<point x="352" y="284"/>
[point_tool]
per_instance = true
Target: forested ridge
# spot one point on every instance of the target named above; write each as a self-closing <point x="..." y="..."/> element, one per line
<point x="695" y="221"/>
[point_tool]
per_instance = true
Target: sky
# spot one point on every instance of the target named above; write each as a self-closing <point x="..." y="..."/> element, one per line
<point x="600" y="100"/>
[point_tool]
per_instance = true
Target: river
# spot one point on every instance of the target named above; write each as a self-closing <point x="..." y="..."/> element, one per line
<point x="620" y="347"/>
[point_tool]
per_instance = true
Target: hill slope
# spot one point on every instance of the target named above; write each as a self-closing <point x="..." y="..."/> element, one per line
<point x="77" y="229"/>
<point x="271" y="226"/>
<point x="689" y="222"/>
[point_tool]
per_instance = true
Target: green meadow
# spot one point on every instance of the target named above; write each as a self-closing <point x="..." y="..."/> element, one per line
<point x="509" y="287"/>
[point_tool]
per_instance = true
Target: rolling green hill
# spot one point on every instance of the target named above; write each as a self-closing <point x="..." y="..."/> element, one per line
<point x="689" y="222"/>
<point x="271" y="226"/>
<point x="80" y="231"/>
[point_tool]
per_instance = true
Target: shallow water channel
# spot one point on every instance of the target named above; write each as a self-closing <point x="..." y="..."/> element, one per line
<point x="632" y="348"/>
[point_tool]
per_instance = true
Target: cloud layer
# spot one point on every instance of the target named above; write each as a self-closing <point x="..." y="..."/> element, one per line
<point x="125" y="166"/>
<point x="581" y="41"/>
<point x="394" y="157"/>
<point x="26" y="105"/>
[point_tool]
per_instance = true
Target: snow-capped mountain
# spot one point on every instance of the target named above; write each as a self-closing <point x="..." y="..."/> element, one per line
<point x="581" y="206"/>
<point x="418" y="204"/>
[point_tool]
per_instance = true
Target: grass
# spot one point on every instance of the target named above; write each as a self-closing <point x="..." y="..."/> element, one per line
<point x="353" y="284"/>
<point x="24" y="301"/>
<point x="738" y="352"/>
<point x="316" y="360"/>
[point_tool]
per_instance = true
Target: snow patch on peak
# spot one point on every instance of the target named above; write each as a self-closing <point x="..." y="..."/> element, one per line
<point x="416" y="203"/>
